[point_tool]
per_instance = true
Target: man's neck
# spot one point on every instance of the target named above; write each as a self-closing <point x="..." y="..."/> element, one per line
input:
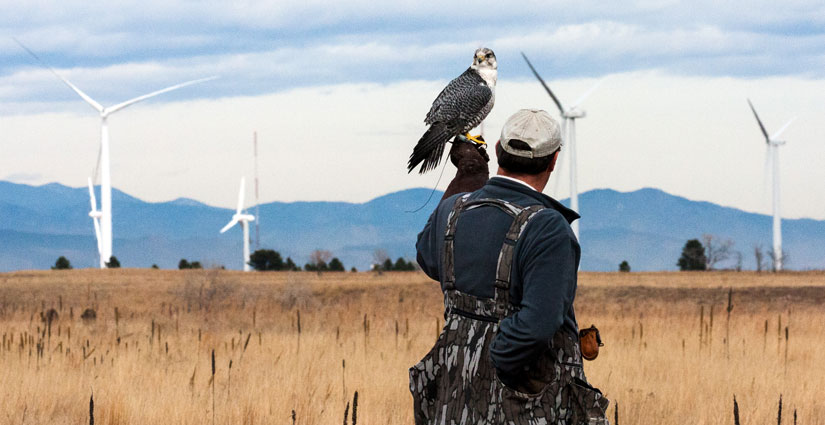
<point x="537" y="182"/>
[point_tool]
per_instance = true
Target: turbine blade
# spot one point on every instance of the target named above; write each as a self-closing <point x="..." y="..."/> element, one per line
<point x="761" y="127"/>
<point x="98" y="107"/>
<point x="784" y="127"/>
<point x="120" y="106"/>
<point x="766" y="171"/>
<point x="92" y="195"/>
<point x="546" y="88"/>
<point x="96" y="222"/>
<point x="240" y="195"/>
<point x="588" y="93"/>
<point x="229" y="225"/>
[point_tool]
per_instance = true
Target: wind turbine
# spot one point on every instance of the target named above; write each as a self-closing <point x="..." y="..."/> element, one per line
<point x="772" y="144"/>
<point x="244" y="219"/>
<point x="105" y="213"/>
<point x="568" y="135"/>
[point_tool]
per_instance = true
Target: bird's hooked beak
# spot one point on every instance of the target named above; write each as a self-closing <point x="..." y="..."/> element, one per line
<point x="480" y="58"/>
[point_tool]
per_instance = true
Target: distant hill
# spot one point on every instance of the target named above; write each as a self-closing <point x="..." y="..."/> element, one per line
<point x="646" y="227"/>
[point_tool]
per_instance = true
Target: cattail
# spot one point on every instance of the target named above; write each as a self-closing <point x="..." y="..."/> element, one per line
<point x="778" y="333"/>
<point x="701" y="325"/>
<point x="344" y="376"/>
<point x="710" y="328"/>
<point x="293" y="417"/>
<point x="213" y="386"/>
<point x="735" y="411"/>
<point x="794" y="416"/>
<point x="396" y="334"/>
<point x="616" y="414"/>
<point x="786" y="349"/>
<point x="92" y="409"/>
<point x="299" y="321"/>
<point x="765" y="340"/>
<point x="192" y="380"/>
<point x="229" y="380"/>
<point x="779" y="412"/>
<point x="245" y="344"/>
<point x="355" y="408"/>
<point x="346" y="414"/>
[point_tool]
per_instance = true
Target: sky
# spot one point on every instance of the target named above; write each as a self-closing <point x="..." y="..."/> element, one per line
<point x="337" y="93"/>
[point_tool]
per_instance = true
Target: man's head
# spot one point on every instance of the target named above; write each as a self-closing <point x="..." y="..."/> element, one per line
<point x="529" y="144"/>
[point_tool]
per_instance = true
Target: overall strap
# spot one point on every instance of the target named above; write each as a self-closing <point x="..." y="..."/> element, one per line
<point x="449" y="242"/>
<point x="505" y="257"/>
<point x="521" y="216"/>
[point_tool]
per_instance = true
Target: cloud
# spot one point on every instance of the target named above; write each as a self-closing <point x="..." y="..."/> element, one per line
<point x="23" y="177"/>
<point x="693" y="136"/>
<point x="265" y="47"/>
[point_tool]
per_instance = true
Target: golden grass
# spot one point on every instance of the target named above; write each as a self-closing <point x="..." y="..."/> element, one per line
<point x="654" y="362"/>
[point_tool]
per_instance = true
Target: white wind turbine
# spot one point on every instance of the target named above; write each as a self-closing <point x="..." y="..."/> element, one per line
<point x="568" y="135"/>
<point x="244" y="219"/>
<point x="104" y="216"/>
<point x="772" y="144"/>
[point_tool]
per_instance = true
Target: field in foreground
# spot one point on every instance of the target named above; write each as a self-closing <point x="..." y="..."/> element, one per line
<point x="303" y="343"/>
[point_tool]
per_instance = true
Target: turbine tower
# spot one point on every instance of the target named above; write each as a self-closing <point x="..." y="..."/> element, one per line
<point x="95" y="215"/>
<point x="568" y="135"/>
<point x="772" y="144"/>
<point x="104" y="216"/>
<point x="244" y="219"/>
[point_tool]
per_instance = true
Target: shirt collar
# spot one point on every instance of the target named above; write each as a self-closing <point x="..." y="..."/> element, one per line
<point x="547" y="201"/>
<point x="515" y="180"/>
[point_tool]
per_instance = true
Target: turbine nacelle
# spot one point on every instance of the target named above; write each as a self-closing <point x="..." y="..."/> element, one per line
<point x="243" y="217"/>
<point x="574" y="113"/>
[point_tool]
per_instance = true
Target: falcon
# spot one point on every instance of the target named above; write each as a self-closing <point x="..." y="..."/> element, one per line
<point x="461" y="106"/>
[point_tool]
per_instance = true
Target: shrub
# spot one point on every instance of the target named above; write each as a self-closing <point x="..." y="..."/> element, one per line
<point x="624" y="267"/>
<point x="62" y="263"/>
<point x="113" y="263"/>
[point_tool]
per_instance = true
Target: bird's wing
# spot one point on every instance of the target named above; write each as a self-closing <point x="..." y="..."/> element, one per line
<point x="461" y="101"/>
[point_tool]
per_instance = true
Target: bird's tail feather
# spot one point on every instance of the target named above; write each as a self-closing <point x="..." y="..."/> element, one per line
<point x="430" y="148"/>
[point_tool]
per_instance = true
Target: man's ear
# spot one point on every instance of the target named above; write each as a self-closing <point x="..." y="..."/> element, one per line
<point x="552" y="165"/>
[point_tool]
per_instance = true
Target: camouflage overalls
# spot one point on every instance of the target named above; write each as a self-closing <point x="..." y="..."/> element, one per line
<point x="456" y="382"/>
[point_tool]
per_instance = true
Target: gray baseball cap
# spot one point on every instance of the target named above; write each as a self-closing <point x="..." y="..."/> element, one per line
<point x="534" y="127"/>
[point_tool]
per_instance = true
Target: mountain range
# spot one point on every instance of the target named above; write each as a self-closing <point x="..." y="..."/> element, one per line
<point x="646" y="227"/>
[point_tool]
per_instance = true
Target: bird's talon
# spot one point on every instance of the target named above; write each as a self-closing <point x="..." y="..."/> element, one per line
<point x="477" y="139"/>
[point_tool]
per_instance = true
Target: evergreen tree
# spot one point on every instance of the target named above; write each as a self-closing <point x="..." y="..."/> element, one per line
<point x="62" y="263"/>
<point x="183" y="264"/>
<point x="335" y="265"/>
<point x="387" y="266"/>
<point x="624" y="267"/>
<point x="693" y="256"/>
<point x="290" y="265"/>
<point x="113" y="263"/>
<point x="266" y="260"/>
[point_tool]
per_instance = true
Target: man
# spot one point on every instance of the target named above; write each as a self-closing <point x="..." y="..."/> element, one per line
<point x="506" y="259"/>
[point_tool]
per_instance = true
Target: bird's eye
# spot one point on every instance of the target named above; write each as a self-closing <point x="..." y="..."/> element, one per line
<point x="489" y="55"/>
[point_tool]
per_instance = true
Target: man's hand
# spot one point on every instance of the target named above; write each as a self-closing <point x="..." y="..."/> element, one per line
<point x="471" y="161"/>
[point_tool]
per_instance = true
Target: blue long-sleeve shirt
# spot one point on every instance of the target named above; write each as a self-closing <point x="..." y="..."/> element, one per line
<point x="543" y="275"/>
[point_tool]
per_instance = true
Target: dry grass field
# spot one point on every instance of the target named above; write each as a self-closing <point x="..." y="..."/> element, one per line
<point x="295" y="347"/>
